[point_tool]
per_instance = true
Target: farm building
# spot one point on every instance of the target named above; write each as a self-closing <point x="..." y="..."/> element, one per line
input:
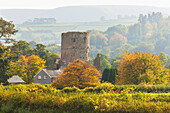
<point x="16" y="80"/>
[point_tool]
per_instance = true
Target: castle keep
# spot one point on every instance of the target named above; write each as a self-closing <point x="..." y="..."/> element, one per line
<point x="75" y="45"/>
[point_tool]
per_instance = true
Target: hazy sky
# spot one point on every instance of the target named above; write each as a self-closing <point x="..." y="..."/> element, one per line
<point x="50" y="4"/>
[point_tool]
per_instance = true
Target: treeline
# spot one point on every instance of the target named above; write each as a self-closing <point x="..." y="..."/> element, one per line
<point x="150" y="34"/>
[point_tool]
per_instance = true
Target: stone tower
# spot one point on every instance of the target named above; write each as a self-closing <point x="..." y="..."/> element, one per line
<point x="75" y="45"/>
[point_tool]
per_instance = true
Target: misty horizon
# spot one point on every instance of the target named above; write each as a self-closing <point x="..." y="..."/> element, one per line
<point x="46" y="4"/>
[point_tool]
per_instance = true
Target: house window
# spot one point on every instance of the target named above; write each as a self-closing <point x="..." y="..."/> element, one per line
<point x="39" y="76"/>
<point x="45" y="77"/>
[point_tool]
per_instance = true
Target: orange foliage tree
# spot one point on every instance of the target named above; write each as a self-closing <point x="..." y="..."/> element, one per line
<point x="138" y="67"/>
<point x="80" y="74"/>
<point x="27" y="67"/>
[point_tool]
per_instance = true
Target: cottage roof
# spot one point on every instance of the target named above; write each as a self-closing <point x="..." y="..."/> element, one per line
<point x="15" y="79"/>
<point x="53" y="73"/>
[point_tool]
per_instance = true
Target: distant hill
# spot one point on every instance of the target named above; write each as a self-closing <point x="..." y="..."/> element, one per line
<point x="72" y="14"/>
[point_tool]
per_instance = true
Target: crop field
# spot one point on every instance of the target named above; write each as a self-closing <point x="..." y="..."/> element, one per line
<point x="105" y="98"/>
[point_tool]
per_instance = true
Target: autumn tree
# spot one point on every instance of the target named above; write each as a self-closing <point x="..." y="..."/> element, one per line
<point x="98" y="39"/>
<point x="80" y="74"/>
<point x="117" y="40"/>
<point x="27" y="67"/>
<point x="138" y="67"/>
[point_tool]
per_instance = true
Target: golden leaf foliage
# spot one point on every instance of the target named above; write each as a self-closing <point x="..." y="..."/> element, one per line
<point x="27" y="67"/>
<point x="80" y="74"/>
<point x="141" y="67"/>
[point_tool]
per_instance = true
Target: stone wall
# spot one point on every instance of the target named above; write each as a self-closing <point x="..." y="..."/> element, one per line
<point x="75" y="45"/>
<point x="97" y="62"/>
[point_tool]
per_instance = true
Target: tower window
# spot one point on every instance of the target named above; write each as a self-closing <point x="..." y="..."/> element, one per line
<point x="74" y="40"/>
<point x="84" y="39"/>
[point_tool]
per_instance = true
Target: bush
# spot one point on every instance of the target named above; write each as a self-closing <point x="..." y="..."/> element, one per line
<point x="104" y="86"/>
<point x="109" y="75"/>
<point x="88" y="89"/>
<point x="13" y="100"/>
<point x="71" y="89"/>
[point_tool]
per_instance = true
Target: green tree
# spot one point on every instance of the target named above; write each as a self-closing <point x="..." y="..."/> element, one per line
<point x="6" y="29"/>
<point x="113" y="74"/>
<point x="109" y="75"/>
<point x="104" y="62"/>
<point x="5" y="59"/>
<point x="105" y="75"/>
<point x="21" y="48"/>
<point x="51" y="60"/>
<point x="40" y="50"/>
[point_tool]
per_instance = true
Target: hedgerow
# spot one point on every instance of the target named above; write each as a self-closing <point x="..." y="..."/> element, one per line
<point x="36" y="98"/>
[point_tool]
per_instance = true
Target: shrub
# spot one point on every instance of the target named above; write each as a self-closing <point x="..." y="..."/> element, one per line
<point x="104" y="86"/>
<point x="109" y="75"/>
<point x="71" y="89"/>
<point x="88" y="89"/>
<point x="19" y="100"/>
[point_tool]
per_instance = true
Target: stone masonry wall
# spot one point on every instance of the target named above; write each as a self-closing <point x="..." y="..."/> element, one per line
<point x="75" y="45"/>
